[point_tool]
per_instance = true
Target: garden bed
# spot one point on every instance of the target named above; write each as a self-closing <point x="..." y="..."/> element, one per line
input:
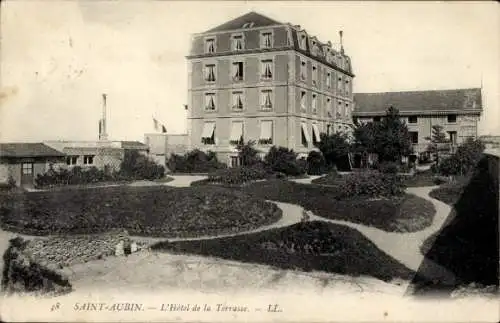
<point x="317" y="245"/>
<point x="449" y="193"/>
<point x="157" y="211"/>
<point x="405" y="213"/>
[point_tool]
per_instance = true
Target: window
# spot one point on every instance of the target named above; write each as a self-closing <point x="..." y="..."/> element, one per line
<point x="347" y="110"/>
<point x="210" y="73"/>
<point x="453" y="137"/>
<point x="266" y="132"/>
<point x="452" y="118"/>
<point x="412" y="119"/>
<point x="210" y="101"/>
<point x="339" y="84"/>
<point x="316" y="134"/>
<point x="210" y="45"/>
<point x="303" y="41"/>
<point x="266" y="39"/>
<point x="238" y="71"/>
<point x="328" y="80"/>
<point x="234" y="161"/>
<point x="314" y="103"/>
<point x="328" y="129"/>
<point x="236" y="133"/>
<point x="339" y="109"/>
<point x="238" y="100"/>
<point x="303" y="70"/>
<point x="267" y="69"/>
<point x="414" y="137"/>
<point x="71" y="160"/>
<point x="303" y="99"/>
<point x="266" y="100"/>
<point x="376" y="119"/>
<point x="238" y="43"/>
<point x="88" y="160"/>
<point x="208" y="134"/>
<point x="27" y="168"/>
<point x="305" y="139"/>
<point x="347" y="87"/>
<point x="329" y="107"/>
<point x="314" y="75"/>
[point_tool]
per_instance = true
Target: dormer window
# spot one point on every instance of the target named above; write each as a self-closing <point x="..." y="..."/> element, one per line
<point x="303" y="41"/>
<point x="266" y="39"/>
<point x="238" y="43"/>
<point x="248" y="25"/>
<point x="210" y="45"/>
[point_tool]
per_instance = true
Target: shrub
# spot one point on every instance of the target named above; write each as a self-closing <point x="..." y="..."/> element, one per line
<point x="388" y="167"/>
<point x="248" y="155"/>
<point x="316" y="164"/>
<point x="283" y="160"/>
<point x="332" y="178"/>
<point x="73" y="176"/>
<point x="195" y="161"/>
<point x="464" y="160"/>
<point x="9" y="185"/>
<point x="136" y="166"/>
<point x="238" y="175"/>
<point x="371" y="184"/>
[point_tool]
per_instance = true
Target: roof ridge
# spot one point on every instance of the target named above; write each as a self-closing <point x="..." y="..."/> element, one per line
<point x="420" y="91"/>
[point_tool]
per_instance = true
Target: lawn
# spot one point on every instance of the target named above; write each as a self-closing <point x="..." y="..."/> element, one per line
<point x="147" y="211"/>
<point x="317" y="246"/>
<point x="405" y="213"/>
<point x="448" y="193"/>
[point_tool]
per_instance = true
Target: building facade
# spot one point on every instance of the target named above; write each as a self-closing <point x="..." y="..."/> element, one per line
<point x="162" y="146"/>
<point x="256" y="79"/>
<point x="457" y="111"/>
<point x="99" y="154"/>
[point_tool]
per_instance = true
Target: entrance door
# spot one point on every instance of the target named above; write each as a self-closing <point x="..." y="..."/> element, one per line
<point x="27" y="174"/>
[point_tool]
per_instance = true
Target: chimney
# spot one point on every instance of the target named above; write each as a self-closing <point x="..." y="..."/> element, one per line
<point x="103" y="135"/>
<point x="341" y="43"/>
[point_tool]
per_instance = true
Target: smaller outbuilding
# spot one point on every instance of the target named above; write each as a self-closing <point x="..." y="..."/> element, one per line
<point x="22" y="162"/>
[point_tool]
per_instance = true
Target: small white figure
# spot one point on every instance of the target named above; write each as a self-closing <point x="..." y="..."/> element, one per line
<point x="119" y="250"/>
<point x="133" y="247"/>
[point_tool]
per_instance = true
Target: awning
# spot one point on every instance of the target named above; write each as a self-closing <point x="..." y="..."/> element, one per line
<point x="306" y="134"/>
<point x="266" y="130"/>
<point x="236" y="131"/>
<point x="208" y="130"/>
<point x="316" y="132"/>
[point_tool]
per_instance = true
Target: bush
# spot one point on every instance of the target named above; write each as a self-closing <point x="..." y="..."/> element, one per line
<point x="195" y="161"/>
<point x="283" y="160"/>
<point x="138" y="167"/>
<point x="9" y="185"/>
<point x="372" y="184"/>
<point x="388" y="167"/>
<point x="316" y="164"/>
<point x="249" y="156"/>
<point x="238" y="175"/>
<point x="332" y="178"/>
<point x="21" y="274"/>
<point x="464" y="160"/>
<point x="73" y="176"/>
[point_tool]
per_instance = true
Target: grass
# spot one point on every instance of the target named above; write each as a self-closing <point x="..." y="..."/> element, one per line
<point x="317" y="245"/>
<point x="147" y="211"/>
<point x="448" y="193"/>
<point x="407" y="213"/>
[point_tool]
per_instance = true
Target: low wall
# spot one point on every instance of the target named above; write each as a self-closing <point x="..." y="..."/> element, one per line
<point x="468" y="246"/>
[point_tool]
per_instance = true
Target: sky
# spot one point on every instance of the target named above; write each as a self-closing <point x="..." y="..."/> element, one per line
<point x="58" y="57"/>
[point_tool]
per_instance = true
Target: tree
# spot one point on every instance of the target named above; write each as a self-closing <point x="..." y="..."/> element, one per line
<point x="316" y="164"/>
<point x="248" y="155"/>
<point x="283" y="160"/>
<point x="334" y="147"/>
<point x="464" y="160"/>
<point x="438" y="142"/>
<point x="364" y="138"/>
<point x="392" y="139"/>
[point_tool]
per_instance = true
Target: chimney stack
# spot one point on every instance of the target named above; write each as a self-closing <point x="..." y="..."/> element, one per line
<point x="103" y="135"/>
<point x="341" y="43"/>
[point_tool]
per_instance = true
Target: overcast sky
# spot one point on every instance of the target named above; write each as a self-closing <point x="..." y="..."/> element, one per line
<point x="58" y="57"/>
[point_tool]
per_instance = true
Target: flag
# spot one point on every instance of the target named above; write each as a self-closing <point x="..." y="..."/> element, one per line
<point x="163" y="129"/>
